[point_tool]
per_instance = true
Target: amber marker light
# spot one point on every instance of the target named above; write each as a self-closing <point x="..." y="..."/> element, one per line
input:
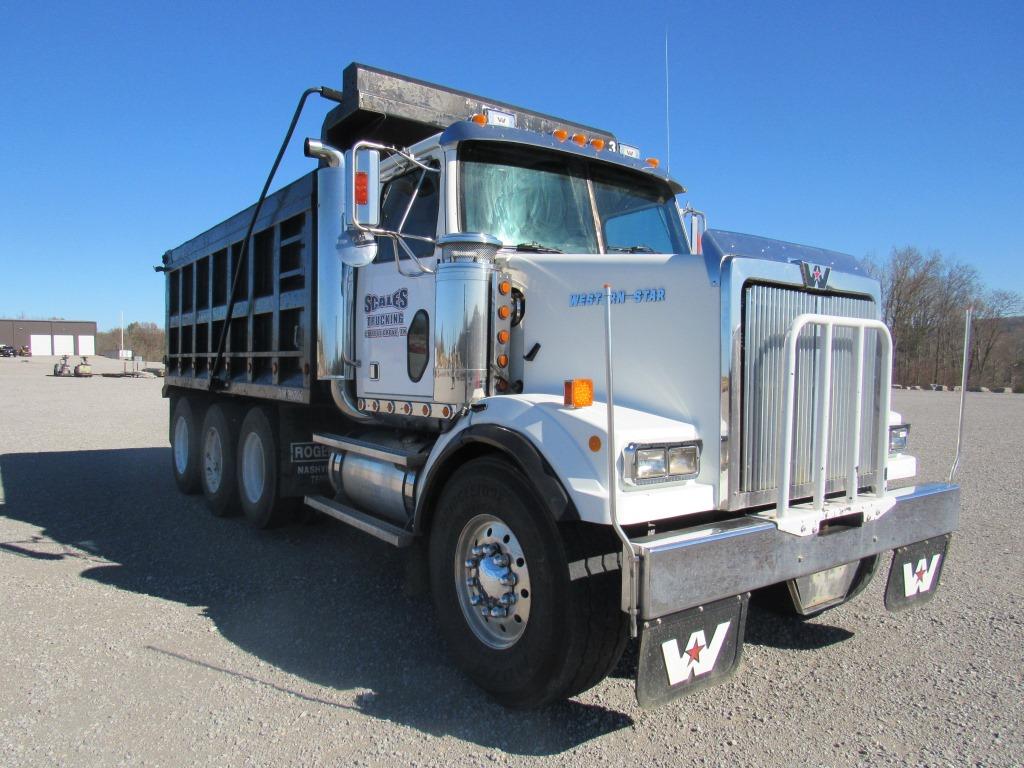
<point x="479" y="119"/>
<point x="362" y="187"/>
<point x="504" y="287"/>
<point x="594" y="443"/>
<point x="504" y="311"/>
<point x="653" y="162"/>
<point x="503" y="337"/>
<point x="502" y="361"/>
<point x="597" y="144"/>
<point x="560" y="134"/>
<point x="580" y="139"/>
<point x="578" y="393"/>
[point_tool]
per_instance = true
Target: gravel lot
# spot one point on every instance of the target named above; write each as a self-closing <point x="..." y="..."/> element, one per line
<point x="136" y="628"/>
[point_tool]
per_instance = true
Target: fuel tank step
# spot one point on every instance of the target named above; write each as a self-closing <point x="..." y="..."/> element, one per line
<point x="385" y="531"/>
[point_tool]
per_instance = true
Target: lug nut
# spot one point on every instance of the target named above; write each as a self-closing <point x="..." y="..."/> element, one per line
<point x="474" y="599"/>
<point x="485" y="611"/>
<point x="509" y="598"/>
<point x="500" y="560"/>
<point x="499" y="613"/>
<point x="471" y="582"/>
<point x="508" y="580"/>
<point x="471" y="563"/>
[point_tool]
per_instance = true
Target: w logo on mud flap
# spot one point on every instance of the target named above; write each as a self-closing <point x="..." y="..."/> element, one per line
<point x="699" y="657"/>
<point x="917" y="580"/>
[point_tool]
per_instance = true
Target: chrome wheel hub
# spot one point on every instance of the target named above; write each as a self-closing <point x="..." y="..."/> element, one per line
<point x="492" y="581"/>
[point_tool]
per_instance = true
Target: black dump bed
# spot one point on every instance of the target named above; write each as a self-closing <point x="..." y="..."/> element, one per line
<point x="269" y="351"/>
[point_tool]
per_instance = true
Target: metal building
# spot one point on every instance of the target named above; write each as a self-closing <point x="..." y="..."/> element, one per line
<point x="50" y="337"/>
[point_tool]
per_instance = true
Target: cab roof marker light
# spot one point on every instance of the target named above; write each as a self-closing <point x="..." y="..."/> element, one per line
<point x="597" y="144"/>
<point x="653" y="162"/>
<point x="560" y="134"/>
<point x="579" y="139"/>
<point x="479" y="119"/>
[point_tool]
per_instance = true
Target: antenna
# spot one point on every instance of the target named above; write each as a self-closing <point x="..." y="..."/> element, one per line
<point x="668" y="134"/>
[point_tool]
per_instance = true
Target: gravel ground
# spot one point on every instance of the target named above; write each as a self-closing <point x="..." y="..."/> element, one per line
<point x="136" y="628"/>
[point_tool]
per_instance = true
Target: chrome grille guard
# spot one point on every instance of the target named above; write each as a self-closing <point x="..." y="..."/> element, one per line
<point x="804" y="519"/>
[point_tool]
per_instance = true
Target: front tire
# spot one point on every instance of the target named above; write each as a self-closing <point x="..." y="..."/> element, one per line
<point x="494" y="546"/>
<point x="217" y="470"/>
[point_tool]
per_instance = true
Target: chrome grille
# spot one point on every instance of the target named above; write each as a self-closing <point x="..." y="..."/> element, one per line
<point x="769" y="312"/>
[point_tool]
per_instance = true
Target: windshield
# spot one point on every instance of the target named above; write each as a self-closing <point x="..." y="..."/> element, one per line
<point x="539" y="200"/>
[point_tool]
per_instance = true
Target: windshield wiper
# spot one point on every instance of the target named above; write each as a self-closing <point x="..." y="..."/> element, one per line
<point x="535" y="247"/>
<point x="631" y="249"/>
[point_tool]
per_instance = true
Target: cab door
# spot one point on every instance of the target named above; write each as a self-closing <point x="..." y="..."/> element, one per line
<point x="394" y="310"/>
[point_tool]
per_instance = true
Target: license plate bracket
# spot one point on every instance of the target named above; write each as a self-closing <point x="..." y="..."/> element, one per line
<point x="690" y="650"/>
<point x="915" y="571"/>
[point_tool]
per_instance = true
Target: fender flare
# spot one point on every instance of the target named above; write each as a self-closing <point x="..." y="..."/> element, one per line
<point x="516" y="448"/>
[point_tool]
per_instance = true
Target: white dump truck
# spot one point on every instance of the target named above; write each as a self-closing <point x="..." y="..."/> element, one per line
<point x="495" y="337"/>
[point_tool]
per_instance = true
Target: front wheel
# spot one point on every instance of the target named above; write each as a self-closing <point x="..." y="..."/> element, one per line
<point x="513" y="618"/>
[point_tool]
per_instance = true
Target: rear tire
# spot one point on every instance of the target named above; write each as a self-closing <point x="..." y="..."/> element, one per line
<point x="574" y="629"/>
<point x="257" y="471"/>
<point x="217" y="461"/>
<point x="185" y="446"/>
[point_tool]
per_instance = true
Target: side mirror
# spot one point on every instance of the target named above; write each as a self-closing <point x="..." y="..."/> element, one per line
<point x="362" y="187"/>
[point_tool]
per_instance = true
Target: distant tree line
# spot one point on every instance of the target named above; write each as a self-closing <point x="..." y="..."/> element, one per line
<point x="145" y="340"/>
<point x="924" y="297"/>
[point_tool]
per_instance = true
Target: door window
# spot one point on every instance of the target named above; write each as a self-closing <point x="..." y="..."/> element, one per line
<point x="409" y="206"/>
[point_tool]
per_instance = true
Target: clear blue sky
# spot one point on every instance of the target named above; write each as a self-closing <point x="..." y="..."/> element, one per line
<point x="127" y="128"/>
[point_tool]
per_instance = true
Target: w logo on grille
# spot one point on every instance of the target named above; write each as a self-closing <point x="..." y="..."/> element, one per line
<point x="815" y="276"/>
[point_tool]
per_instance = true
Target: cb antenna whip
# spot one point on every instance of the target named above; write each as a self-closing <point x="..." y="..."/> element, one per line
<point x="668" y="134"/>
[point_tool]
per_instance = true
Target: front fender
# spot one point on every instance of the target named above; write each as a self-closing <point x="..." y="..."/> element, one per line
<point x="555" y="453"/>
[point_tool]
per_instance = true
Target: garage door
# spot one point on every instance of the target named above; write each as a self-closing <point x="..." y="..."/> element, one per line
<point x="63" y="345"/>
<point x="40" y="344"/>
<point x="87" y="345"/>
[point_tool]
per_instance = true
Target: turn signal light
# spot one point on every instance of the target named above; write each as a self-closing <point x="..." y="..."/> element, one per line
<point x="362" y="188"/>
<point x="479" y="119"/>
<point x="578" y="393"/>
<point x="560" y="134"/>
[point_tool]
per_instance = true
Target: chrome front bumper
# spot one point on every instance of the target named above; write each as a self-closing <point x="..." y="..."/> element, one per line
<point x="696" y="566"/>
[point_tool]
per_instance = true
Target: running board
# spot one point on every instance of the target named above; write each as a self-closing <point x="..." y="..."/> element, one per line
<point x="403" y="458"/>
<point x="392" y="534"/>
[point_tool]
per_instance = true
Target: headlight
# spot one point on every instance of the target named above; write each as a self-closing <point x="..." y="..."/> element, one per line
<point x="684" y="460"/>
<point x="898" y="436"/>
<point x="672" y="462"/>
<point x="650" y="463"/>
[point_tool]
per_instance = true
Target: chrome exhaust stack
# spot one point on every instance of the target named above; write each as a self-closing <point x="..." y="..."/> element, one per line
<point x="335" y="283"/>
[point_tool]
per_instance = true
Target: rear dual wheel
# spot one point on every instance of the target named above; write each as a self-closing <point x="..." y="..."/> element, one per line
<point x="184" y="436"/>
<point x="257" y="471"/>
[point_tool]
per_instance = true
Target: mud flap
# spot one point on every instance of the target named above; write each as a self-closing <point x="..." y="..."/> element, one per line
<point x="914" y="575"/>
<point x="690" y="650"/>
